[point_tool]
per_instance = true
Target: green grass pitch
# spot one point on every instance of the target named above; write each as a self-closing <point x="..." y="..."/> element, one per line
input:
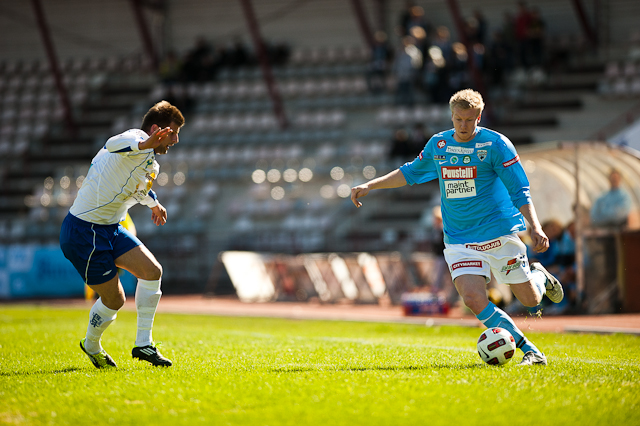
<point x="256" y="371"/>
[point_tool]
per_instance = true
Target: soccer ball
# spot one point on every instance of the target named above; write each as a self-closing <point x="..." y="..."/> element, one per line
<point x="496" y="346"/>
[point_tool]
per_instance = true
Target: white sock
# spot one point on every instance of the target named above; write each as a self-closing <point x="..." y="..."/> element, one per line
<point x="99" y="319"/>
<point x="540" y="281"/>
<point x="147" y="298"/>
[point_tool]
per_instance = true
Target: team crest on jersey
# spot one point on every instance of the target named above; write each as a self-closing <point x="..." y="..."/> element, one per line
<point x="442" y="143"/>
<point x="482" y="154"/>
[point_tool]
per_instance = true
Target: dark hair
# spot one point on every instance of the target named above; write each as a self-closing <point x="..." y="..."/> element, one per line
<point x="162" y="114"/>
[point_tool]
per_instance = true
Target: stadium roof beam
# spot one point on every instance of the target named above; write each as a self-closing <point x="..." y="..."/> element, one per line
<point x="363" y="23"/>
<point x="149" y="48"/>
<point x="53" y="65"/>
<point x="586" y="26"/>
<point x="267" y="72"/>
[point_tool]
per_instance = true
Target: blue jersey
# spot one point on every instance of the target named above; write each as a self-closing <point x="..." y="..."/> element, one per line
<point x="482" y="184"/>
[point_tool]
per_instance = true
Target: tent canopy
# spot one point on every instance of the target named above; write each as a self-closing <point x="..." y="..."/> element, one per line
<point x="551" y="168"/>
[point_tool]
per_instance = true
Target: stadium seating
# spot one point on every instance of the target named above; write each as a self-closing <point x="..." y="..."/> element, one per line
<point x="339" y="135"/>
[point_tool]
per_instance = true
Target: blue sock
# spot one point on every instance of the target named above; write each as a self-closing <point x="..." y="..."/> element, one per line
<point x="492" y="316"/>
<point x="540" y="281"/>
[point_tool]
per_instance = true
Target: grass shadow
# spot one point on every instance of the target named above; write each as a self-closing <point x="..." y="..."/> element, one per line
<point x="39" y="372"/>
<point x="302" y="369"/>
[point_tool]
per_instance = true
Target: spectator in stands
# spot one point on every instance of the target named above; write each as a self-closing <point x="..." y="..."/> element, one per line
<point x="500" y="60"/>
<point x="377" y="72"/>
<point x="419" y="28"/>
<point x="509" y="36"/>
<point x="278" y="53"/>
<point x="405" y="18"/>
<point x="480" y="33"/>
<point x="405" y="146"/>
<point x="170" y="69"/>
<point x="193" y="68"/>
<point x="437" y="68"/>
<point x="236" y="54"/>
<point x="417" y="140"/>
<point x="612" y="208"/>
<point x="400" y="150"/>
<point x="408" y="62"/>
<point x="522" y="31"/>
<point x="120" y="176"/>
<point x="459" y="69"/>
<point x="536" y="35"/>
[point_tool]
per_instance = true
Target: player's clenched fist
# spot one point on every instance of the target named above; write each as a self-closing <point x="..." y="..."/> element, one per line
<point x="357" y="192"/>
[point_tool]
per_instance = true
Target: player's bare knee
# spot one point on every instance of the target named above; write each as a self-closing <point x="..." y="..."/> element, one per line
<point x="115" y="301"/>
<point x="158" y="271"/>
<point x="154" y="272"/>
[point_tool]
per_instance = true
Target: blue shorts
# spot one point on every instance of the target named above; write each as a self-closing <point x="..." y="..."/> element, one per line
<point x="93" y="248"/>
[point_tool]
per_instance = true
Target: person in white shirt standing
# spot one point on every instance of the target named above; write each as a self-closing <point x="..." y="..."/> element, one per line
<point x="120" y="176"/>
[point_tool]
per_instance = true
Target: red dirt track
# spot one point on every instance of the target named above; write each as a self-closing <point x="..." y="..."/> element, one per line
<point x="618" y="323"/>
<point x="197" y="304"/>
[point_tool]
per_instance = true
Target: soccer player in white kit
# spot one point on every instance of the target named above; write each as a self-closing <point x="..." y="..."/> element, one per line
<point x="485" y="199"/>
<point x="120" y="176"/>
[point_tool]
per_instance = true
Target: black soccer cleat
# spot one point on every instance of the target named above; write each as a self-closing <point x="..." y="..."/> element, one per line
<point x="151" y="354"/>
<point x="99" y="360"/>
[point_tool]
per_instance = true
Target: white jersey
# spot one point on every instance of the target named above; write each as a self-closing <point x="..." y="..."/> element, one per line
<point x="120" y="176"/>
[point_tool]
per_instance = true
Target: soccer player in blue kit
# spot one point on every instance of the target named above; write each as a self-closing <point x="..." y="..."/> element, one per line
<point x="91" y="237"/>
<point x="485" y="200"/>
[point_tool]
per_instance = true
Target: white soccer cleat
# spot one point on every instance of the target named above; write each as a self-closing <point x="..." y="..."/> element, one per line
<point x="555" y="293"/>
<point x="532" y="358"/>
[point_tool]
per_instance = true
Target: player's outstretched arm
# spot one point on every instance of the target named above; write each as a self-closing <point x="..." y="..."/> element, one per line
<point x="154" y="140"/>
<point x="159" y="214"/>
<point x="395" y="179"/>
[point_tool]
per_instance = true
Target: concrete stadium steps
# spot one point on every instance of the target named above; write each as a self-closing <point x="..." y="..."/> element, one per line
<point x="12" y="205"/>
<point x="521" y="134"/>
<point x="545" y="99"/>
<point x="525" y="117"/>
<point x="115" y="96"/>
<point x="585" y="124"/>
<point x="535" y="110"/>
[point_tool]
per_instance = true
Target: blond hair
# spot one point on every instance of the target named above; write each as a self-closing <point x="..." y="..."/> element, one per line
<point x="466" y="99"/>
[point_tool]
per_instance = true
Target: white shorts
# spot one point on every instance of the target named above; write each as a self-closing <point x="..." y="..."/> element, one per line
<point x="506" y="257"/>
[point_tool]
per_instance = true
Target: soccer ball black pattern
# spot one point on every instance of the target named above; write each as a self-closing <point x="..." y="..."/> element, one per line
<point x="496" y="346"/>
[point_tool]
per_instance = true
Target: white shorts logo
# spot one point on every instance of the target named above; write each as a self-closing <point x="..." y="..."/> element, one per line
<point x="460" y="188"/>
<point x="484" y="247"/>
